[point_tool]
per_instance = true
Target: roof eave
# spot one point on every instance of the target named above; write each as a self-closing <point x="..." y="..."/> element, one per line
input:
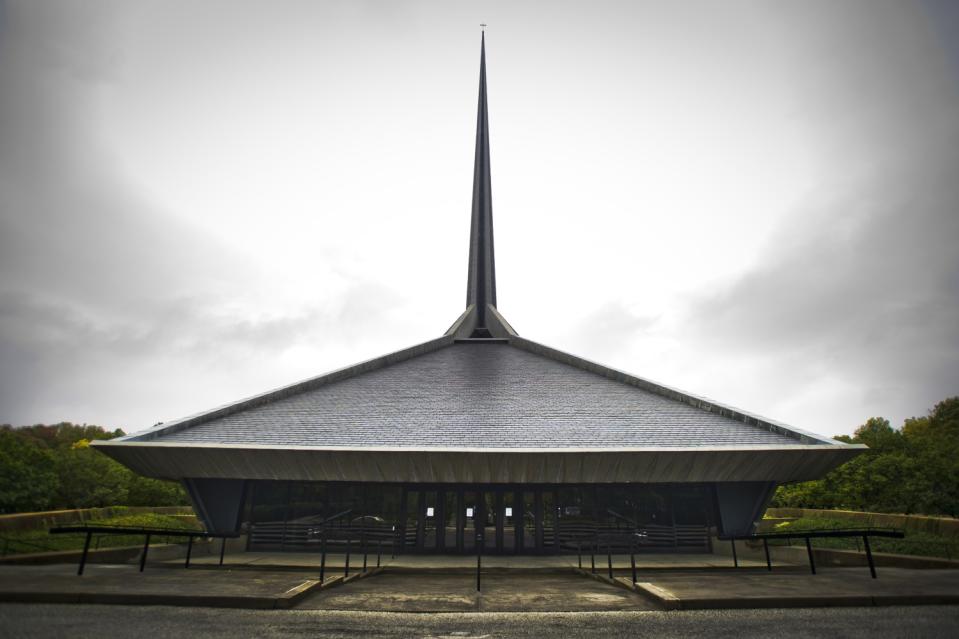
<point x="463" y="466"/>
<point x="113" y="443"/>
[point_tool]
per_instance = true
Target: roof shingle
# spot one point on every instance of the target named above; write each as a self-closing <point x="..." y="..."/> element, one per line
<point x="478" y="395"/>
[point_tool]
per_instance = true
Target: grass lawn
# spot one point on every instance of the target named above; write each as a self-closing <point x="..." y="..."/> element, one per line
<point x="915" y="543"/>
<point x="29" y="541"/>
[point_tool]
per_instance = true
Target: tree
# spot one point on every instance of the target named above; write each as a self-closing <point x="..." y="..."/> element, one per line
<point x="934" y="442"/>
<point x="143" y="491"/>
<point x="27" y="476"/>
<point x="911" y="470"/>
<point x="878" y="435"/>
<point x="54" y="466"/>
<point x="89" y="479"/>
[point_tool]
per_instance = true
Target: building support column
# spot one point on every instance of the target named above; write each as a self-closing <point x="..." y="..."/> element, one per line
<point x="741" y="504"/>
<point x="217" y="502"/>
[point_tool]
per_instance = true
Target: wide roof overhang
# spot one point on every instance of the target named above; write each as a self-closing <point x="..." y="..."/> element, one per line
<point x="503" y="466"/>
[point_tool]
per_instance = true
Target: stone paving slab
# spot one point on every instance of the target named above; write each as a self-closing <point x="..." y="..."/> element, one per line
<point x="454" y="591"/>
<point x="436" y="593"/>
<point x="796" y="589"/>
<point x="123" y="584"/>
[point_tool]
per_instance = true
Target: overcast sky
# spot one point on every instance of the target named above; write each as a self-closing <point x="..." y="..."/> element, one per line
<point x="753" y="201"/>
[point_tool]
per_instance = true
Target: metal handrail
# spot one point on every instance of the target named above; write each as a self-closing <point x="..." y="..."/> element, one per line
<point x="364" y="536"/>
<point x="108" y="529"/>
<point x="622" y="517"/>
<point x="148" y="532"/>
<point x="895" y="533"/>
<point x="314" y="530"/>
<point x="818" y="533"/>
<point x="348" y="511"/>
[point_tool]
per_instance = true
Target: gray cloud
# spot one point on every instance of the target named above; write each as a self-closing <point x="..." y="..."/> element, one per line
<point x="103" y="297"/>
<point x="604" y="332"/>
<point x="876" y="302"/>
<point x="116" y="309"/>
<point x="862" y="283"/>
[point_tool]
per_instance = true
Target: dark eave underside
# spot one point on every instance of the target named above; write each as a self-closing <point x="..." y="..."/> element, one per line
<point x="755" y="463"/>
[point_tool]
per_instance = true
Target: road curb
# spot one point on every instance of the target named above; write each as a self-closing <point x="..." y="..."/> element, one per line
<point x="670" y="601"/>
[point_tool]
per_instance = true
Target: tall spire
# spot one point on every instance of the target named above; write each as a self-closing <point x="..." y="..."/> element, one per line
<point x="481" y="283"/>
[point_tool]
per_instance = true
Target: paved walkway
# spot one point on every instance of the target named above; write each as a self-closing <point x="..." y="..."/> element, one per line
<point x="124" y="584"/>
<point x="403" y="592"/>
<point x="448" y="584"/>
<point x="30" y="621"/>
<point x="800" y="589"/>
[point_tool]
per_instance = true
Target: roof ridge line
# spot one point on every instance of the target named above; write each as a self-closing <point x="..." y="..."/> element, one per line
<point x="290" y="390"/>
<point x="669" y="392"/>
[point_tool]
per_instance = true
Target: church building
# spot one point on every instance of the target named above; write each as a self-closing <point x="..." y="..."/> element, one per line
<point x="480" y="433"/>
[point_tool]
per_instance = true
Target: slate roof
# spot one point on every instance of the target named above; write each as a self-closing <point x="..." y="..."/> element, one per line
<point x="478" y="395"/>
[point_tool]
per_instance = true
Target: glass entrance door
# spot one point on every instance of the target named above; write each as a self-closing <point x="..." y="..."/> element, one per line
<point x="509" y="519"/>
<point x="518" y="519"/>
<point x="469" y="524"/>
<point x="448" y="519"/>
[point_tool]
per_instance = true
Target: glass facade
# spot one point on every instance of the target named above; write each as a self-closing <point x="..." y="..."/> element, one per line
<point x="505" y="519"/>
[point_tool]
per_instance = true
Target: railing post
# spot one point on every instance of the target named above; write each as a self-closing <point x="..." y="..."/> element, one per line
<point x="609" y="557"/>
<point x="379" y="551"/>
<point x="872" y="565"/>
<point x="143" y="557"/>
<point x="479" y="559"/>
<point x="735" y="558"/>
<point x="579" y="552"/>
<point x="222" y="549"/>
<point x="592" y="555"/>
<point x="769" y="564"/>
<point x="189" y="551"/>
<point x="363" y="544"/>
<point x="812" y="561"/>
<point x="346" y="567"/>
<point x="83" y="557"/>
<point x="632" y="556"/>
<point x="323" y="557"/>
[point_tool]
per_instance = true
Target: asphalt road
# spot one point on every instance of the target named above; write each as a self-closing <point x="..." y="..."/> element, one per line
<point x="74" y="621"/>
